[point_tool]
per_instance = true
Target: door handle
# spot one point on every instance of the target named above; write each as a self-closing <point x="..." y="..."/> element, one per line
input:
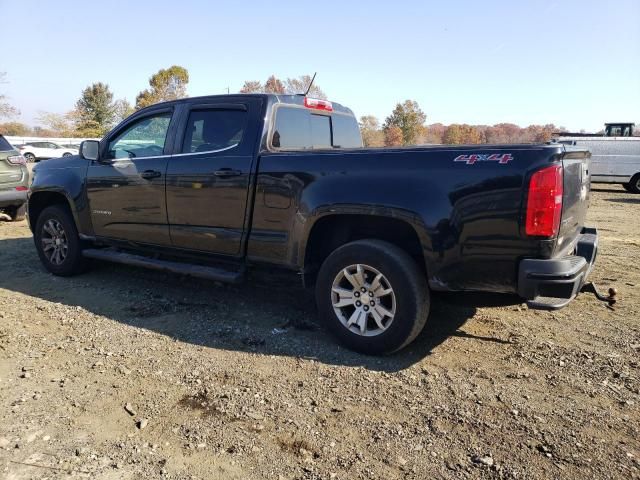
<point x="149" y="174"/>
<point x="227" y="172"/>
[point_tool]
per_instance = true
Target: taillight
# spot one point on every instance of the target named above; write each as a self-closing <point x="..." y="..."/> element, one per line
<point x="318" y="104"/>
<point x="22" y="189"/>
<point x="16" y="160"/>
<point x="544" y="203"/>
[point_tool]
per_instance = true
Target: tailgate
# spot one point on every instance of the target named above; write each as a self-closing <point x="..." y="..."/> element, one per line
<point x="575" y="199"/>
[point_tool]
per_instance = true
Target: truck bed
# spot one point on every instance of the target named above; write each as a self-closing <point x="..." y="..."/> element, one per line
<point x="468" y="214"/>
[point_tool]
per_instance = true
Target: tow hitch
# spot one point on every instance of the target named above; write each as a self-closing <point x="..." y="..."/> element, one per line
<point x="590" y="287"/>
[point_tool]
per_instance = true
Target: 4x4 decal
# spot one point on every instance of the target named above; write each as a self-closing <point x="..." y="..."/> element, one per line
<point x="501" y="158"/>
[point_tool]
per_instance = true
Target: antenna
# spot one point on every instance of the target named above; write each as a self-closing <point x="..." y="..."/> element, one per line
<point x="310" y="84"/>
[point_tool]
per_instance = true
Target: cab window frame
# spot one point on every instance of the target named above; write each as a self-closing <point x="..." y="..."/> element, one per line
<point x="236" y="149"/>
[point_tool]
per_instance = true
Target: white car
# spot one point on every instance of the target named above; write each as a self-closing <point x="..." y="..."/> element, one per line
<point x="36" y="151"/>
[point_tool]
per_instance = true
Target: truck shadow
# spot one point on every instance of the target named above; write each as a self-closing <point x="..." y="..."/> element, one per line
<point x="268" y="317"/>
<point x="610" y="189"/>
<point x="624" y="200"/>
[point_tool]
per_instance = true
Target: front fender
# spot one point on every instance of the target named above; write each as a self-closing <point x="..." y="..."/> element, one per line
<point x="66" y="177"/>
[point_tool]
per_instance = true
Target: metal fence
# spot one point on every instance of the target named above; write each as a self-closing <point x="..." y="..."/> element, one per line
<point x="17" y="140"/>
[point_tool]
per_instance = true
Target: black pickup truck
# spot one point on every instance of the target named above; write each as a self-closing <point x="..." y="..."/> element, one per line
<point x="213" y="186"/>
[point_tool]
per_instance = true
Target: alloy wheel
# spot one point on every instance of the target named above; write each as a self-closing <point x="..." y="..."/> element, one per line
<point x="363" y="300"/>
<point x="55" y="244"/>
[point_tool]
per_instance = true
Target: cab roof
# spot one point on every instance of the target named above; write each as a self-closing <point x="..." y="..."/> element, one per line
<point x="274" y="98"/>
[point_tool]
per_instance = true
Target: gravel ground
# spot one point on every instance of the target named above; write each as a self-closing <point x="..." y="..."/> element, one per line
<point x="124" y="373"/>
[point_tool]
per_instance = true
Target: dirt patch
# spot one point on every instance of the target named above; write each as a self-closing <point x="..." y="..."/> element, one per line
<point x="241" y="382"/>
<point x="298" y="447"/>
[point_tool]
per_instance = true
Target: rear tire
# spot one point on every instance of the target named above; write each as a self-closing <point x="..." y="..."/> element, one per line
<point x="634" y="185"/>
<point x="67" y="154"/>
<point x="30" y="157"/>
<point x="360" y="315"/>
<point x="58" y="243"/>
<point x="17" y="214"/>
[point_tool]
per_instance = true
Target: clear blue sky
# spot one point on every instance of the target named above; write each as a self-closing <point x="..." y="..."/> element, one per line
<point x="572" y="63"/>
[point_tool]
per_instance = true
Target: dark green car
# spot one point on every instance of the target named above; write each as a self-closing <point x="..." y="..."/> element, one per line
<point x="14" y="181"/>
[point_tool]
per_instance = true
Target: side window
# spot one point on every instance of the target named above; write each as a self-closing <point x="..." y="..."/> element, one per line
<point x="209" y="130"/>
<point x="144" y="138"/>
<point x="52" y="145"/>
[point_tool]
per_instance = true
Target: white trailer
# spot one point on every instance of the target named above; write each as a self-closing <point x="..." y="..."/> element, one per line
<point x="615" y="156"/>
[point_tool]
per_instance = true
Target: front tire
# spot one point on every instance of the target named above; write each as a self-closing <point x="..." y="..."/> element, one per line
<point x="65" y="155"/>
<point x="372" y="296"/>
<point x="17" y="214"/>
<point x="634" y="185"/>
<point x="58" y="243"/>
<point x="30" y="157"/>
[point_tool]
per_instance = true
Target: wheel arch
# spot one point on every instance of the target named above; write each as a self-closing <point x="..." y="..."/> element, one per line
<point x="40" y="200"/>
<point x="332" y="230"/>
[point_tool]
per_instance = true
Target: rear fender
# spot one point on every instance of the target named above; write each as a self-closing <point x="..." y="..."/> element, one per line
<point x="303" y="230"/>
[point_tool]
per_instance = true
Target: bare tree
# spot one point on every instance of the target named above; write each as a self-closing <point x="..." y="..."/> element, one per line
<point x="300" y="85"/>
<point x="273" y="85"/>
<point x="6" y="109"/>
<point x="252" y="86"/>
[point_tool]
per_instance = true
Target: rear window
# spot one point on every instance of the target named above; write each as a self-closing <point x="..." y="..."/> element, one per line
<point x="4" y="145"/>
<point x="320" y="131"/>
<point x="346" y="133"/>
<point x="301" y="129"/>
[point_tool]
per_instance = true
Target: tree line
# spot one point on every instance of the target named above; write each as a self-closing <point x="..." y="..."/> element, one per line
<point x="96" y="112"/>
<point x="406" y="125"/>
<point x="289" y="86"/>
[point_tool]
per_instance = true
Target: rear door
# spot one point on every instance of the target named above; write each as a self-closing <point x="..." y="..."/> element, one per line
<point x="209" y="175"/>
<point x="51" y="150"/>
<point x="126" y="187"/>
<point x="39" y="150"/>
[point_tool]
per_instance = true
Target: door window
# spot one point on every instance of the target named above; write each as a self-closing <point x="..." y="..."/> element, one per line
<point x="213" y="130"/>
<point x="143" y="138"/>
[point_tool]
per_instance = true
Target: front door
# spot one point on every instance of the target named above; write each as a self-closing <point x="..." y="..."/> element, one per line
<point x="126" y="186"/>
<point x="208" y="177"/>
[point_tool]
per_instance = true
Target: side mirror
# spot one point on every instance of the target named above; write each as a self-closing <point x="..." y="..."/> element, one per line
<point x="89" y="149"/>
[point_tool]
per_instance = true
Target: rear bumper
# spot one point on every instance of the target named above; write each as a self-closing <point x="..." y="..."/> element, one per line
<point x="558" y="278"/>
<point x="12" y="198"/>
